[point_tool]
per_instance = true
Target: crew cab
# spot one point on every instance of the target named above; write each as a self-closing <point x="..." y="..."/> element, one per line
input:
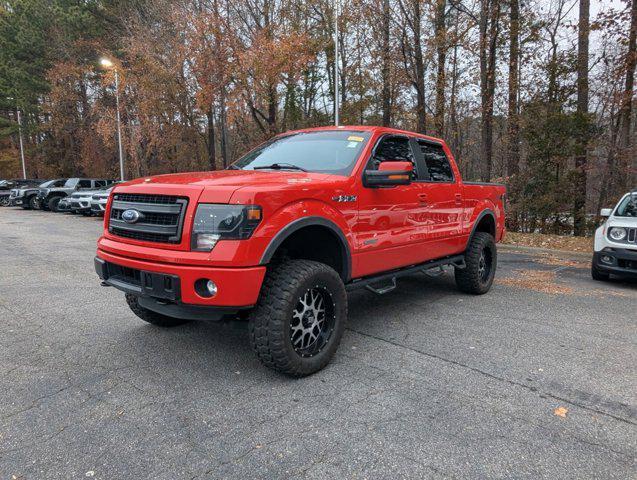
<point x="48" y="198"/>
<point x="615" y="248"/>
<point x="7" y="186"/>
<point x="27" y="196"/>
<point x="282" y="234"/>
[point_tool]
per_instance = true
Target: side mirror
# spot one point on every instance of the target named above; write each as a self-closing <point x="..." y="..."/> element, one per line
<point x="606" y="212"/>
<point x="389" y="174"/>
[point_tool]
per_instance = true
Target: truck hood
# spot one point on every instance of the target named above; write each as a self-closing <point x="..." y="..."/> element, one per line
<point x="220" y="185"/>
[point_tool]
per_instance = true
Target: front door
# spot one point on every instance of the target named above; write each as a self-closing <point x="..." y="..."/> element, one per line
<point x="390" y="219"/>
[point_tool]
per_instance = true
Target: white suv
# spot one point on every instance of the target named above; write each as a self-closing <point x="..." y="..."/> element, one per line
<point x="615" y="251"/>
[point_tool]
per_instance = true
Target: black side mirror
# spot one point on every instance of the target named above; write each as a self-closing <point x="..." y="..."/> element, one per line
<point x="389" y="174"/>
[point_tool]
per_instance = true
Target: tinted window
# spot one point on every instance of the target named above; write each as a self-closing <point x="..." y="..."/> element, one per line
<point x="437" y="162"/>
<point x="84" y="184"/>
<point x="393" y="149"/>
<point x="332" y="151"/>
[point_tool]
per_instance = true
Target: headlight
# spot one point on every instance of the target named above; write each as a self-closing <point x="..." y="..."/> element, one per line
<point x="214" y="222"/>
<point x="617" y="233"/>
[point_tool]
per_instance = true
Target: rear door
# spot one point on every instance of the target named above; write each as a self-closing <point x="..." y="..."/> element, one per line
<point x="442" y="195"/>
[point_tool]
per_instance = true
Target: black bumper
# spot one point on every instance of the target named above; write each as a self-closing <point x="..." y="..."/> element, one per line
<point x="157" y="292"/>
<point x="617" y="261"/>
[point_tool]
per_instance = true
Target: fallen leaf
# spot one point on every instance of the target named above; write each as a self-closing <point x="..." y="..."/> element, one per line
<point x="560" y="412"/>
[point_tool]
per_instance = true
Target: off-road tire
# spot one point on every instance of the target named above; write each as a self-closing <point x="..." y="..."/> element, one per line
<point x="151" y="317"/>
<point x="270" y="321"/>
<point x="471" y="278"/>
<point x="52" y="204"/>
<point x="599" y="276"/>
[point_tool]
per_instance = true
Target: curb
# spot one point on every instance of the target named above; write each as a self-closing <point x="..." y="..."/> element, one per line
<point x="560" y="253"/>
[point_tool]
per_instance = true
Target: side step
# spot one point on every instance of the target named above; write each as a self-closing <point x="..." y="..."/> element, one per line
<point x="388" y="279"/>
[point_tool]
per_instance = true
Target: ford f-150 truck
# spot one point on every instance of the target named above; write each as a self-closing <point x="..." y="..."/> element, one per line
<point x="282" y="234"/>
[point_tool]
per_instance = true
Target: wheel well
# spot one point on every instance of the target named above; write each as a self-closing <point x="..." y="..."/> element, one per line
<point x="486" y="224"/>
<point x="318" y="243"/>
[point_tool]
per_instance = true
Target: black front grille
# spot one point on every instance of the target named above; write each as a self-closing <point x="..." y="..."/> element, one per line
<point x="129" y="275"/>
<point x="160" y="217"/>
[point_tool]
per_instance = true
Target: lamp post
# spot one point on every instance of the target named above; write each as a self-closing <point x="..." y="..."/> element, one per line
<point x="336" y="76"/>
<point x="108" y="64"/>
<point x="24" y="168"/>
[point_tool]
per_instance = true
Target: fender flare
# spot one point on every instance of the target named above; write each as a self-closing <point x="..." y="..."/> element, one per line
<point x="296" y="225"/>
<point x="483" y="213"/>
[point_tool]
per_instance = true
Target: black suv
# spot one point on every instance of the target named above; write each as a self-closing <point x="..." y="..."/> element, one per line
<point x="7" y="186"/>
<point x="25" y="197"/>
<point x="49" y="197"/>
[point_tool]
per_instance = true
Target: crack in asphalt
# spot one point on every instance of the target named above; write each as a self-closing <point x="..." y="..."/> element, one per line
<point x="530" y="388"/>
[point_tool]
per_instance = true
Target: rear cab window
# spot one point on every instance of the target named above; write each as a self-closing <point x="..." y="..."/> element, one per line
<point x="438" y="165"/>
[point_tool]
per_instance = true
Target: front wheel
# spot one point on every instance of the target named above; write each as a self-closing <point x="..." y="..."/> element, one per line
<point x="300" y="317"/>
<point x="597" y="275"/>
<point x="53" y="203"/>
<point x="481" y="259"/>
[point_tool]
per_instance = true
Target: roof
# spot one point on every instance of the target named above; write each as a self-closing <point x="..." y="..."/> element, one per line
<point x="366" y="128"/>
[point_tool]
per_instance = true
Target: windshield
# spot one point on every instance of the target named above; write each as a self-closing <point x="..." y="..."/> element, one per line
<point x="53" y="183"/>
<point x="627" y="207"/>
<point x="332" y="151"/>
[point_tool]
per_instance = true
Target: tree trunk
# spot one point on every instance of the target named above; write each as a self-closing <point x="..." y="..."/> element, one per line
<point x="440" y="30"/>
<point x="421" y="112"/>
<point x="579" y="200"/>
<point x="627" y="100"/>
<point x="212" y="160"/>
<point x="513" y="157"/>
<point x="489" y="25"/>
<point x="386" y="90"/>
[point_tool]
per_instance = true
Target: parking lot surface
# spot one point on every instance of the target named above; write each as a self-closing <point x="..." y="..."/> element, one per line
<point x="537" y="379"/>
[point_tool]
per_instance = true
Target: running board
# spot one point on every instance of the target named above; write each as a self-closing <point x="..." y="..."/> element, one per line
<point x="389" y="278"/>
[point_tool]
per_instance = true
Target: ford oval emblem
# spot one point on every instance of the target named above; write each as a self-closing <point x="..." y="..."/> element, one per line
<point x="131" y="216"/>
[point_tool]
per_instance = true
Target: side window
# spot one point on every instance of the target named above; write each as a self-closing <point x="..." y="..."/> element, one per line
<point x="100" y="183"/>
<point x="437" y="162"/>
<point x="393" y="149"/>
<point x="84" y="184"/>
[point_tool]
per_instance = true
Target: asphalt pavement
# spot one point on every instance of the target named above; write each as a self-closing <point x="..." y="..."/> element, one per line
<point x="537" y="379"/>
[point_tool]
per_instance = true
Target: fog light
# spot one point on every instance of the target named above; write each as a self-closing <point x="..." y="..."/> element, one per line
<point x="607" y="259"/>
<point x="211" y="287"/>
<point x="206" y="288"/>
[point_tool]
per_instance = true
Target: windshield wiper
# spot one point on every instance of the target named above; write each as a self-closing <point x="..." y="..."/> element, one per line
<point x="280" y="166"/>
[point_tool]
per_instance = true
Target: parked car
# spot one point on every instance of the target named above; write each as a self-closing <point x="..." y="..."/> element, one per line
<point x="80" y="202"/>
<point x="284" y="232"/>
<point x="48" y="198"/>
<point x="99" y="201"/>
<point x="7" y="185"/>
<point x="26" y="197"/>
<point x="64" y="205"/>
<point x="615" y="249"/>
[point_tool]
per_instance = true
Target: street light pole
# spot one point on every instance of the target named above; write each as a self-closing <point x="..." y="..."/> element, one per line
<point x="336" y="76"/>
<point x="119" y="128"/>
<point x="24" y="168"/>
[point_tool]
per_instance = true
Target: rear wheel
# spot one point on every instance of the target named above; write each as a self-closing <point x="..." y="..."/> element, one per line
<point x="481" y="259"/>
<point x="151" y="317"/>
<point x="300" y="317"/>
<point x="4" y="201"/>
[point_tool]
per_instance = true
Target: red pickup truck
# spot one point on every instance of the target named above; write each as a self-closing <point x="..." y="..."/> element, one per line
<point x="282" y="234"/>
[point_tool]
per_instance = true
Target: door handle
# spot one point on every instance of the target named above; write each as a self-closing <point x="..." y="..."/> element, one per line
<point x="458" y="199"/>
<point x="422" y="197"/>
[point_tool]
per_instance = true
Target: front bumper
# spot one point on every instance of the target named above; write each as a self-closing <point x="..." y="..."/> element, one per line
<point x="616" y="261"/>
<point x="237" y="287"/>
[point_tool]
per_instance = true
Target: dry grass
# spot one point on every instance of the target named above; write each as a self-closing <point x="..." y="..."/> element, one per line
<point x="540" y="281"/>
<point x="556" y="242"/>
